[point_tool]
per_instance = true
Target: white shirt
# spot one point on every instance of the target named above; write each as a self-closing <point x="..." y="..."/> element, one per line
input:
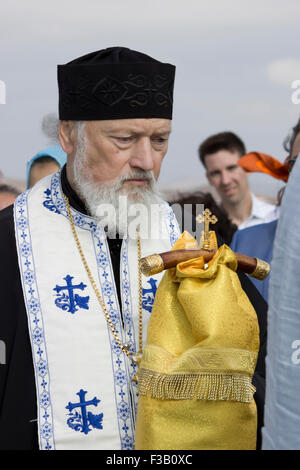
<point x="261" y="213"/>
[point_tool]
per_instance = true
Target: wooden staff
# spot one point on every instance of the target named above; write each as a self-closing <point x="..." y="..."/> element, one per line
<point x="154" y="264"/>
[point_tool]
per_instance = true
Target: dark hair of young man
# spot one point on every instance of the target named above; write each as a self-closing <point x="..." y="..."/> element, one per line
<point x="222" y="141"/>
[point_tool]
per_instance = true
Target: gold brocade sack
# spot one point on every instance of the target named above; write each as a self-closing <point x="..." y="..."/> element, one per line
<point x="195" y="388"/>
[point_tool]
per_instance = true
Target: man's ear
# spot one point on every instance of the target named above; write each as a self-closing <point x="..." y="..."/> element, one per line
<point x="67" y="136"/>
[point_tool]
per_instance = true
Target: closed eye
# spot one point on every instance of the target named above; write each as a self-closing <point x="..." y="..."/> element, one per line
<point x="124" y="139"/>
<point x="159" y="140"/>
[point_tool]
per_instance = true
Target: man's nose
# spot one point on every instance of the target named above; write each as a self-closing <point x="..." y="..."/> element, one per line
<point x="142" y="154"/>
<point x="225" y="178"/>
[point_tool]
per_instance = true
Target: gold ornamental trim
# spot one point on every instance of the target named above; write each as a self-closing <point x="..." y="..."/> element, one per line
<point x="214" y="387"/>
<point x="152" y="264"/>
<point x="199" y="360"/>
<point x="261" y="271"/>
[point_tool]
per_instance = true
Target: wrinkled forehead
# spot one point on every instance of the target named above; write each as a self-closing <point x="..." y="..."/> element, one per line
<point x="138" y="126"/>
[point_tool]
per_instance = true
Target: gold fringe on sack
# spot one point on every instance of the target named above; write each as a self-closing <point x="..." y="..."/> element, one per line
<point x="215" y="387"/>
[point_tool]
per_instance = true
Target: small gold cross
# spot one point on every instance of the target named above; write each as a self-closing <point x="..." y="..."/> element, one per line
<point x="207" y="218"/>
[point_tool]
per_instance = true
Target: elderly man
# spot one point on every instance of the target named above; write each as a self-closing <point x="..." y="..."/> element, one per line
<point x="74" y="304"/>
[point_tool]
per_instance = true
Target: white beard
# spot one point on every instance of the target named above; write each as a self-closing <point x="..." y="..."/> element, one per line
<point x="114" y="206"/>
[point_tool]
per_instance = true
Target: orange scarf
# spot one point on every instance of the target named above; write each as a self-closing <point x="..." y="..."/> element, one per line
<point x="260" y="162"/>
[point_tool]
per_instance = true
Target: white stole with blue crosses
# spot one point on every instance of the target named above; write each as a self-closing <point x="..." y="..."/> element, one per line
<point x="86" y="398"/>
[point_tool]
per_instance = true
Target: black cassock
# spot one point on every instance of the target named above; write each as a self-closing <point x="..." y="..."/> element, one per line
<point x="18" y="404"/>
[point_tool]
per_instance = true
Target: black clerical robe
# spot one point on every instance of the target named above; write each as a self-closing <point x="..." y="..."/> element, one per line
<point x="18" y="404"/>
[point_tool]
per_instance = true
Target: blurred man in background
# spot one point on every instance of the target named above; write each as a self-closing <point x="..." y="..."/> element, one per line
<point x="220" y="154"/>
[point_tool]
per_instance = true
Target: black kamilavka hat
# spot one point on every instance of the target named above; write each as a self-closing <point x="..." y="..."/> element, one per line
<point x="115" y="83"/>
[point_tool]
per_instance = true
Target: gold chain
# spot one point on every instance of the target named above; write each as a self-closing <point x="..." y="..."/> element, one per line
<point x="140" y="296"/>
<point x="125" y="349"/>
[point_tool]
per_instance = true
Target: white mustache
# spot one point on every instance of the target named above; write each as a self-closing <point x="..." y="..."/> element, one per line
<point x="135" y="175"/>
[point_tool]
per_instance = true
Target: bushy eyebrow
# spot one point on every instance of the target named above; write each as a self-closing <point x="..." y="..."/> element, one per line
<point x="126" y="130"/>
<point x="162" y="133"/>
<point x="229" y="167"/>
<point x="232" y="166"/>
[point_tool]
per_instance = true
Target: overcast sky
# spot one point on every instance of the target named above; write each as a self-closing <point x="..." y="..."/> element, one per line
<point x="235" y="62"/>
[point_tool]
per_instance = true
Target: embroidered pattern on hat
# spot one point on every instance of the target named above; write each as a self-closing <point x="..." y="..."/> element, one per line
<point x="137" y="90"/>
